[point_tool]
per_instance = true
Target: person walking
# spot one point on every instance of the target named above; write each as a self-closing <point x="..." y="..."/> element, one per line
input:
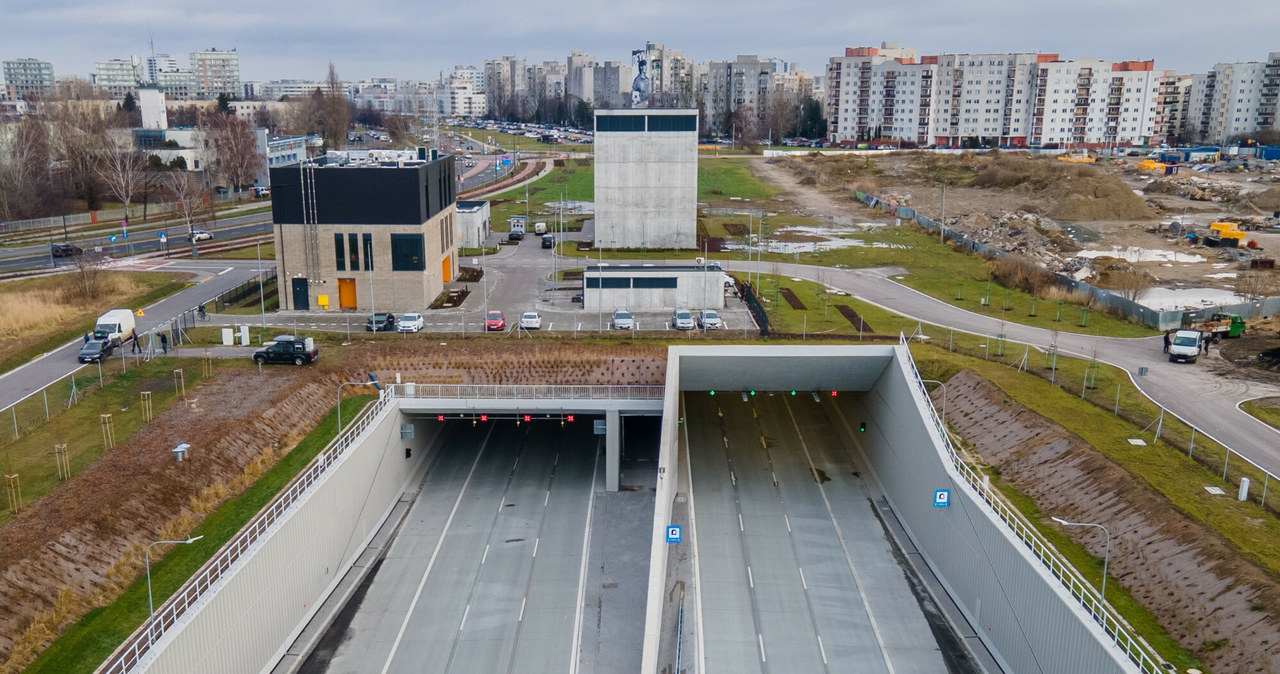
<point x="1205" y="342"/>
<point x="1166" y="341"/>
<point x="164" y="343"/>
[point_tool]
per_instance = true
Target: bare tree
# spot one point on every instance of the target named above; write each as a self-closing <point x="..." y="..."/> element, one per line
<point x="781" y="116"/>
<point x="1131" y="285"/>
<point x="189" y="192"/>
<point x="24" y="170"/>
<point x="121" y="167"/>
<point x="77" y="140"/>
<point x="1256" y="284"/>
<point x="400" y="128"/>
<point x="237" y="160"/>
<point x="88" y="278"/>
<point x="335" y="110"/>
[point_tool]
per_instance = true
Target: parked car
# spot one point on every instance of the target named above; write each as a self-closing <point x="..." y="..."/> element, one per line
<point x="410" y="323"/>
<point x="708" y="319"/>
<point x="577" y="297"/>
<point x="380" y="323"/>
<point x="531" y="320"/>
<point x="494" y="320"/>
<point x="548" y="241"/>
<point x="291" y="350"/>
<point x="515" y="236"/>
<point x="682" y="319"/>
<point x="200" y="235"/>
<point x="95" y="350"/>
<point x="66" y="250"/>
<point x="622" y="320"/>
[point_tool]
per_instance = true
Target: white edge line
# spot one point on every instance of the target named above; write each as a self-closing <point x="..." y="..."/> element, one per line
<point x="465" y="613"/>
<point x="582" y="567"/>
<point x="404" y="624"/>
<point x="760" y="638"/>
<point x="225" y="271"/>
<point x="522" y="602"/>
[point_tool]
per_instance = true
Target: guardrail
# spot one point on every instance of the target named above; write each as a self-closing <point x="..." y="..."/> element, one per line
<point x="524" y="392"/>
<point x="138" y="646"/>
<point x="1137" y="650"/>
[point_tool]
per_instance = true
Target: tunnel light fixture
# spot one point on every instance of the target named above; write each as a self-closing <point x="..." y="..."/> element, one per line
<point x="713" y="393"/>
<point x="484" y="417"/>
<point x="793" y="393"/>
<point x="862" y="427"/>
<point x="570" y="418"/>
<point x="527" y="417"/>
<point x="816" y="399"/>
<point x="439" y="417"/>
<point x="744" y="396"/>
<point x="833" y="393"/>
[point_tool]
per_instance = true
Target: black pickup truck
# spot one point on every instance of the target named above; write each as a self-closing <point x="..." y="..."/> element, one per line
<point x="287" y="350"/>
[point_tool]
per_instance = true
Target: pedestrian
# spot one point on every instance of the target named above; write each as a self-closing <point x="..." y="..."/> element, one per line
<point x="1166" y="341"/>
<point x="1205" y="343"/>
<point x="164" y="342"/>
<point x="86" y="338"/>
<point x="136" y="348"/>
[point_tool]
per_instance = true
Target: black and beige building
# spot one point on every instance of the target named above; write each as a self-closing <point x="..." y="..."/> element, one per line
<point x="364" y="238"/>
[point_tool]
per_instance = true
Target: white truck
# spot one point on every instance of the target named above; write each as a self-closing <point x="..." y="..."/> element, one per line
<point x="1185" y="345"/>
<point x="539" y="228"/>
<point x="116" y="326"/>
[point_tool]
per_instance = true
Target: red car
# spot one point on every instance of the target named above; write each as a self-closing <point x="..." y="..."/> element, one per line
<point x="494" y="320"/>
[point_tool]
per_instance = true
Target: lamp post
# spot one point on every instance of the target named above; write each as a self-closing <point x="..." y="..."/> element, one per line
<point x="1106" y="557"/>
<point x="151" y="609"/>
<point x="346" y="383"/>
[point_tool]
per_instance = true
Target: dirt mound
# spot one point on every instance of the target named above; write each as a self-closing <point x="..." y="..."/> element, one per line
<point x="1204" y="594"/>
<point x="1268" y="200"/>
<point x="1093" y="198"/>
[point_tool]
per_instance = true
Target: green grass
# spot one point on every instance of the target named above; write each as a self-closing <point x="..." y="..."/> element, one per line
<point x="1164" y="468"/>
<point x="79" y="427"/>
<point x="820" y="315"/>
<point x="247" y="253"/>
<point x="574" y="181"/>
<point x="1266" y="410"/>
<point x="720" y="179"/>
<point x="92" y="638"/>
<point x="160" y="287"/>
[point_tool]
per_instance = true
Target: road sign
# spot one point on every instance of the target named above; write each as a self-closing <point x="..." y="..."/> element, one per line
<point x="941" y="498"/>
<point x="600" y="426"/>
<point x="163" y="236"/>
<point x="673" y="533"/>
<point x="113" y="238"/>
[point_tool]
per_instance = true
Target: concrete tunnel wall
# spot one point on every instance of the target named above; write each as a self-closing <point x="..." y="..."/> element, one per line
<point x="262" y="605"/>
<point x="1023" y="613"/>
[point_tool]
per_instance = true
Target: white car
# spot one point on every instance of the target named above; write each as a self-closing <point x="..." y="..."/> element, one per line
<point x="622" y="320"/>
<point x="201" y="235"/>
<point x="409" y="323"/>
<point x="708" y="319"/>
<point x="530" y="320"/>
<point x="682" y="319"/>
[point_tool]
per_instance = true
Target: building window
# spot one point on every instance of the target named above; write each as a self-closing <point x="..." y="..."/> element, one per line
<point x="368" y="252"/>
<point x="339" y="255"/>
<point x="407" y="252"/>
<point x="353" y="251"/>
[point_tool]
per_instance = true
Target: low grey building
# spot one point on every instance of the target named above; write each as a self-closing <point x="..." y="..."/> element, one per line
<point x="646" y="179"/>
<point x="652" y="287"/>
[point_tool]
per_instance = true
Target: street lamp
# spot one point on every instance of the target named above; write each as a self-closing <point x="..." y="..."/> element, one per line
<point x="151" y="609"/>
<point x="1106" y="557"/>
<point x="346" y="383"/>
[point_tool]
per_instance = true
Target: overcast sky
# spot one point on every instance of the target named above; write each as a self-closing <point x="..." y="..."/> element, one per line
<point x="411" y="39"/>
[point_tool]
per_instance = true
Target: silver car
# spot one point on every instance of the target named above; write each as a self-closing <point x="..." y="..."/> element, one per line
<point x="622" y="320"/>
<point x="708" y="319"/>
<point x="682" y="319"/>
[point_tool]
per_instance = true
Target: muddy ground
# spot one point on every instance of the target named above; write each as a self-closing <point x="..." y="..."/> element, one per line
<point x="1217" y="605"/>
<point x="87" y="536"/>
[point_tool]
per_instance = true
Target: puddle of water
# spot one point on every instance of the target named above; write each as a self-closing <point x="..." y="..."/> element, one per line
<point x="1169" y="299"/>
<point x="1221" y="274"/>
<point x="1135" y="254"/>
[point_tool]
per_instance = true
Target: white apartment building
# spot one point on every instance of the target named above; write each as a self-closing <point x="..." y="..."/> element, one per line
<point x="462" y="99"/>
<point x="118" y="76"/>
<point x="24" y="78"/>
<point x="579" y="80"/>
<point x="669" y="72"/>
<point x="216" y="72"/>
<point x="1229" y="100"/>
<point x="1010" y="99"/>
<point x="546" y="80"/>
<point x="741" y="83"/>
<point x="506" y="85"/>
<point x="294" y="89"/>
<point x="177" y="85"/>
<point x="160" y="63"/>
<point x="612" y="83"/>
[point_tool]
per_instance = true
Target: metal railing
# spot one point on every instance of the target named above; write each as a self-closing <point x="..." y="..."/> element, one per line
<point x="137" y="647"/>
<point x="1113" y="625"/>
<point x="524" y="392"/>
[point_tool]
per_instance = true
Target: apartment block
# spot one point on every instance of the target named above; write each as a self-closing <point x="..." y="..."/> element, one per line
<point x="579" y="81"/>
<point x="612" y="83"/>
<point x="1233" y="99"/>
<point x="27" y="78"/>
<point x="119" y="76"/>
<point x="216" y="72"/>
<point x="743" y="83"/>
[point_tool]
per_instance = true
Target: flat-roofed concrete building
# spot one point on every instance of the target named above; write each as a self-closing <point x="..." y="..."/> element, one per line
<point x="653" y="287"/>
<point x="364" y="239"/>
<point x="646" y="178"/>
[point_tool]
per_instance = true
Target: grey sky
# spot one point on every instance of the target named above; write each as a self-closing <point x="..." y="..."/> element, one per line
<point x="416" y="40"/>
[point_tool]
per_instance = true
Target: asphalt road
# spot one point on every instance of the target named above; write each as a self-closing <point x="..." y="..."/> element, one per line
<point x="485" y="574"/>
<point x="1191" y="392"/>
<point x="212" y="278"/>
<point x="795" y="572"/>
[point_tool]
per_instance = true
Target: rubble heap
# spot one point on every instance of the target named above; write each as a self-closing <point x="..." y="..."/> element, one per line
<point x="1197" y="188"/>
<point x="1017" y="232"/>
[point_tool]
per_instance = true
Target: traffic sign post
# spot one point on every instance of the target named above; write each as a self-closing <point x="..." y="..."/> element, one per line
<point x="674" y="534"/>
<point x="941" y="498"/>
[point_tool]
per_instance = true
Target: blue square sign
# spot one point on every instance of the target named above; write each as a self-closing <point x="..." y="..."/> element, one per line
<point x="673" y="534"/>
<point x="941" y="498"/>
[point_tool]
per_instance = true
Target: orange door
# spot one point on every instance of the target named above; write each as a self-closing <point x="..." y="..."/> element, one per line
<point x="346" y="293"/>
<point x="446" y="268"/>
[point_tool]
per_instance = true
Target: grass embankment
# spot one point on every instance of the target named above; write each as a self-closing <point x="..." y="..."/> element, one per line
<point x="570" y="180"/>
<point x="253" y="304"/>
<point x="79" y="426"/>
<point x="1165" y="467"/>
<point x="41" y="314"/>
<point x="729" y="178"/>
<point x="92" y="638"/>
<point x="1266" y="410"/>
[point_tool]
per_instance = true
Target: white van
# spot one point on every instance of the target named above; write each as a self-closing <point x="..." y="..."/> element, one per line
<point x="539" y="228"/>
<point x="1185" y="346"/>
<point x="116" y="326"/>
